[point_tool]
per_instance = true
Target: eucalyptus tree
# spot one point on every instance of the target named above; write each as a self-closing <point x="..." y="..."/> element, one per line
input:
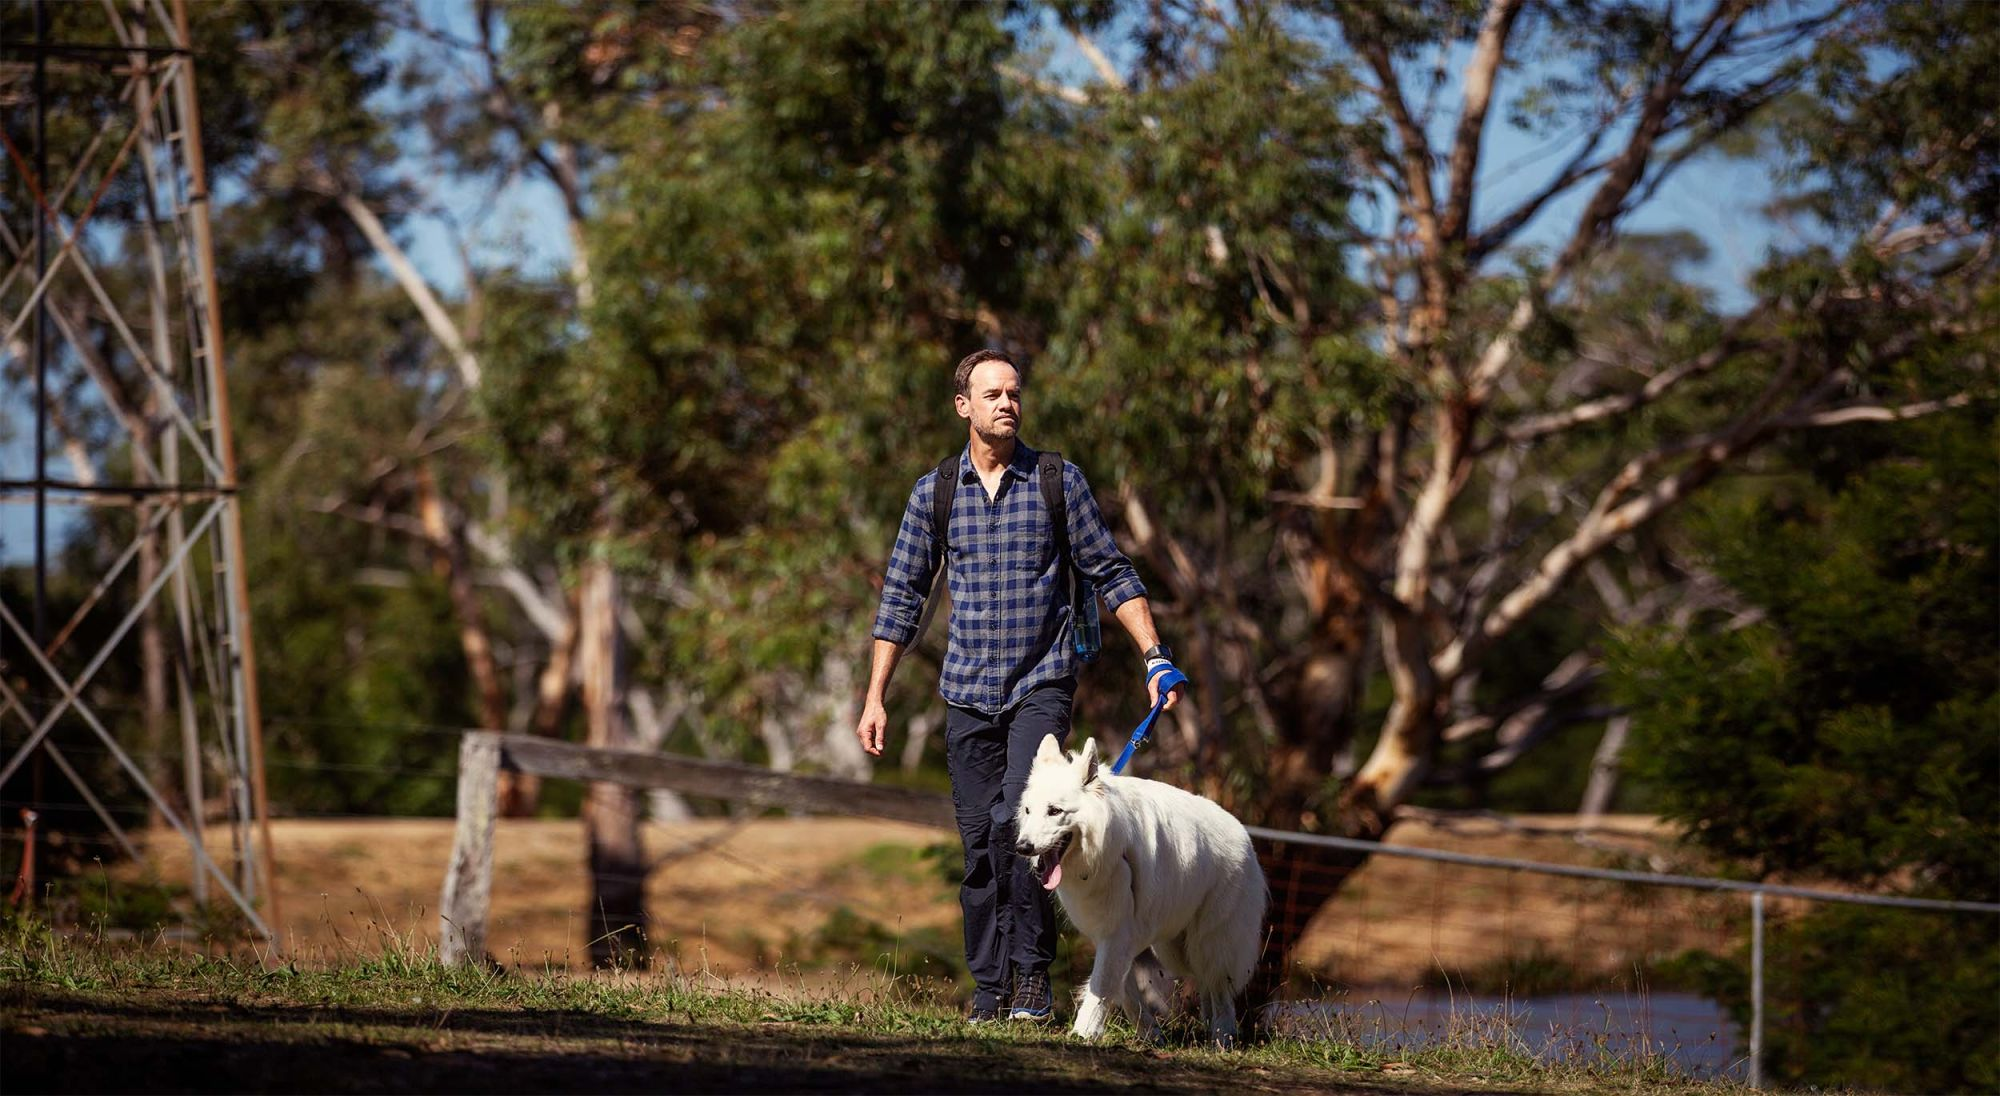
<point x="1392" y="525"/>
<point x="1847" y="732"/>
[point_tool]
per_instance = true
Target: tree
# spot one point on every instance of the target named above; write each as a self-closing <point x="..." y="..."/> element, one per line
<point x="1403" y="511"/>
<point x="1849" y="735"/>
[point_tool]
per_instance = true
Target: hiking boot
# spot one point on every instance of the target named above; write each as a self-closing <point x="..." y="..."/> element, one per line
<point x="1032" y="999"/>
<point x="985" y="1008"/>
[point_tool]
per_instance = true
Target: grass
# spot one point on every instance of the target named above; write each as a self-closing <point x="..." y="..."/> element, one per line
<point x="80" y="1013"/>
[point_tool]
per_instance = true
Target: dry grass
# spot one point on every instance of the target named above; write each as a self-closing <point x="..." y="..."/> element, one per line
<point x="80" y="1014"/>
<point x="740" y="897"/>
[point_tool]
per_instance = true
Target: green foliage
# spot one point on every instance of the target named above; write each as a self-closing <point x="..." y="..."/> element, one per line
<point x="779" y="278"/>
<point x="1207" y="335"/>
<point x="362" y="673"/>
<point x="1895" y="117"/>
<point x="1849" y="734"/>
<point x="1879" y="1000"/>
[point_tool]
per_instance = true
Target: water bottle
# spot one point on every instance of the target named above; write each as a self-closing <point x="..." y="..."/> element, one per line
<point x="1083" y="616"/>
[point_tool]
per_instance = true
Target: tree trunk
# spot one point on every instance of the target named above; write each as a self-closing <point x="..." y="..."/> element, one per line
<point x="521" y="793"/>
<point x="1322" y="704"/>
<point x="448" y="550"/>
<point x="1323" y="700"/>
<point x="1604" y="771"/>
<point x="617" y="914"/>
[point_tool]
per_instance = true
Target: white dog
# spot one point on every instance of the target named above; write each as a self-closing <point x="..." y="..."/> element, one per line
<point x="1139" y="864"/>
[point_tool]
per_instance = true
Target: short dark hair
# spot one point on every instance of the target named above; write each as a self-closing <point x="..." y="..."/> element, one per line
<point x="961" y="378"/>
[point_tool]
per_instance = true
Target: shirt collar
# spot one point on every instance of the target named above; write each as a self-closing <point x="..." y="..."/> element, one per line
<point x="1022" y="464"/>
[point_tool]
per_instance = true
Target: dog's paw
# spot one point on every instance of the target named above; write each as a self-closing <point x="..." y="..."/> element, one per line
<point x="1089" y="1017"/>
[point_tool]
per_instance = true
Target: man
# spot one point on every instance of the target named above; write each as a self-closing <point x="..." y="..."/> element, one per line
<point x="1010" y="666"/>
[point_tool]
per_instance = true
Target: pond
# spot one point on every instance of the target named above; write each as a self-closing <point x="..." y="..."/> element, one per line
<point x="1691" y="1032"/>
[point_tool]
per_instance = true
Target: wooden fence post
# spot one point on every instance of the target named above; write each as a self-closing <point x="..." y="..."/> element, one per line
<point x="468" y="882"/>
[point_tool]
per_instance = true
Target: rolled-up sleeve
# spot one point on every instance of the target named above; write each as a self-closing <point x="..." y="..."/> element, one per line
<point x="1096" y="554"/>
<point x="913" y="565"/>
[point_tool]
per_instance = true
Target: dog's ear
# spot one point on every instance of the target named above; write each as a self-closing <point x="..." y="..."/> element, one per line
<point x="1051" y="750"/>
<point x="1089" y="759"/>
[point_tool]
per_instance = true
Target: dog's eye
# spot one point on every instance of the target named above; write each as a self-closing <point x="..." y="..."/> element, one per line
<point x="1054" y="810"/>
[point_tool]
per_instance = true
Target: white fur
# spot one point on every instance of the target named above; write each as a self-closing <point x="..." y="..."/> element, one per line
<point x="1147" y="866"/>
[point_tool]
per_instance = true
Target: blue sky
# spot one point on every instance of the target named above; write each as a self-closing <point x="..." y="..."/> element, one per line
<point x="519" y="225"/>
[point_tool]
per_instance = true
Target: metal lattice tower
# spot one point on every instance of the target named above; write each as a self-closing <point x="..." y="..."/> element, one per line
<point x="113" y="322"/>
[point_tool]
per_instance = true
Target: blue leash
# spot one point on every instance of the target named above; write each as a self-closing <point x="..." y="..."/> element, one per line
<point x="1168" y="677"/>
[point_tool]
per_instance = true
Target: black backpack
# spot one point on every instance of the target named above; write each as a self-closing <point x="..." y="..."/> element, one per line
<point x="1082" y="597"/>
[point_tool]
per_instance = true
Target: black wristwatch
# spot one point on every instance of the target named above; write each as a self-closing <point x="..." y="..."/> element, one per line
<point x="1158" y="650"/>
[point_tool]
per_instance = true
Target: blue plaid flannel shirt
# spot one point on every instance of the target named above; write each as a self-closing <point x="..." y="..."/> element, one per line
<point x="1010" y="616"/>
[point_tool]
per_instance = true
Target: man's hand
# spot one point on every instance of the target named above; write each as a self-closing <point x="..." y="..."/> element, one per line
<point x="1153" y="686"/>
<point x="874" y="725"/>
<point x="873" y="728"/>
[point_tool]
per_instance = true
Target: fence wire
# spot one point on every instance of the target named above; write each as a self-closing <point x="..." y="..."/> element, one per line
<point x="1421" y="944"/>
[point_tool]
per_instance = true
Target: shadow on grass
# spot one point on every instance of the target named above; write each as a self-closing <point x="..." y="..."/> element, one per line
<point x="56" y="1042"/>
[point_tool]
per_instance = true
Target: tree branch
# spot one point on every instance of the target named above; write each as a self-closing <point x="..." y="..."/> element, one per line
<point x="1414" y="151"/>
<point x="1733" y="342"/>
<point x="1494" y="236"/>
<point x="414" y="286"/>
<point x="1071" y="95"/>
<point x="549" y="613"/>
<point x="1610" y="519"/>
<point x="1163" y="549"/>
<point x="377" y="515"/>
<point x="1106" y="71"/>
<point x="1872" y="412"/>
<point x="1626" y="169"/>
<point x="1487" y="53"/>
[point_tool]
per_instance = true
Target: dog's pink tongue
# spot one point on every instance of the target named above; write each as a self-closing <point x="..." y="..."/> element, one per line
<point x="1052" y="878"/>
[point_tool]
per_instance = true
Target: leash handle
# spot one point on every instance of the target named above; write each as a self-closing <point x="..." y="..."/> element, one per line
<point x="1168" y="677"/>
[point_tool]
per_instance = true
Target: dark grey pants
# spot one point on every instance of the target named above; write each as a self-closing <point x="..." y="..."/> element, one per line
<point x="1010" y="920"/>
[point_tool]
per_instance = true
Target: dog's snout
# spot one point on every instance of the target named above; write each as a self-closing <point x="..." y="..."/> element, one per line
<point x="1024" y="848"/>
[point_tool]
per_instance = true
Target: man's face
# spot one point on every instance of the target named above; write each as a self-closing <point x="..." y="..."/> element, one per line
<point x="994" y="402"/>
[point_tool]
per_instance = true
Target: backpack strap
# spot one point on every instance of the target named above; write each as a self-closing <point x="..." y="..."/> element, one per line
<point x="1052" y="496"/>
<point x="1057" y="501"/>
<point x="942" y="491"/>
<point x="1082" y="599"/>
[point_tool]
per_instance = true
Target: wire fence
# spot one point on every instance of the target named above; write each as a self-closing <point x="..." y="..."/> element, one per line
<point x="1419" y="939"/>
<point x="1571" y="956"/>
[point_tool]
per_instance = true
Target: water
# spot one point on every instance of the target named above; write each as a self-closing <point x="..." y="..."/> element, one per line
<point x="1689" y="1031"/>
